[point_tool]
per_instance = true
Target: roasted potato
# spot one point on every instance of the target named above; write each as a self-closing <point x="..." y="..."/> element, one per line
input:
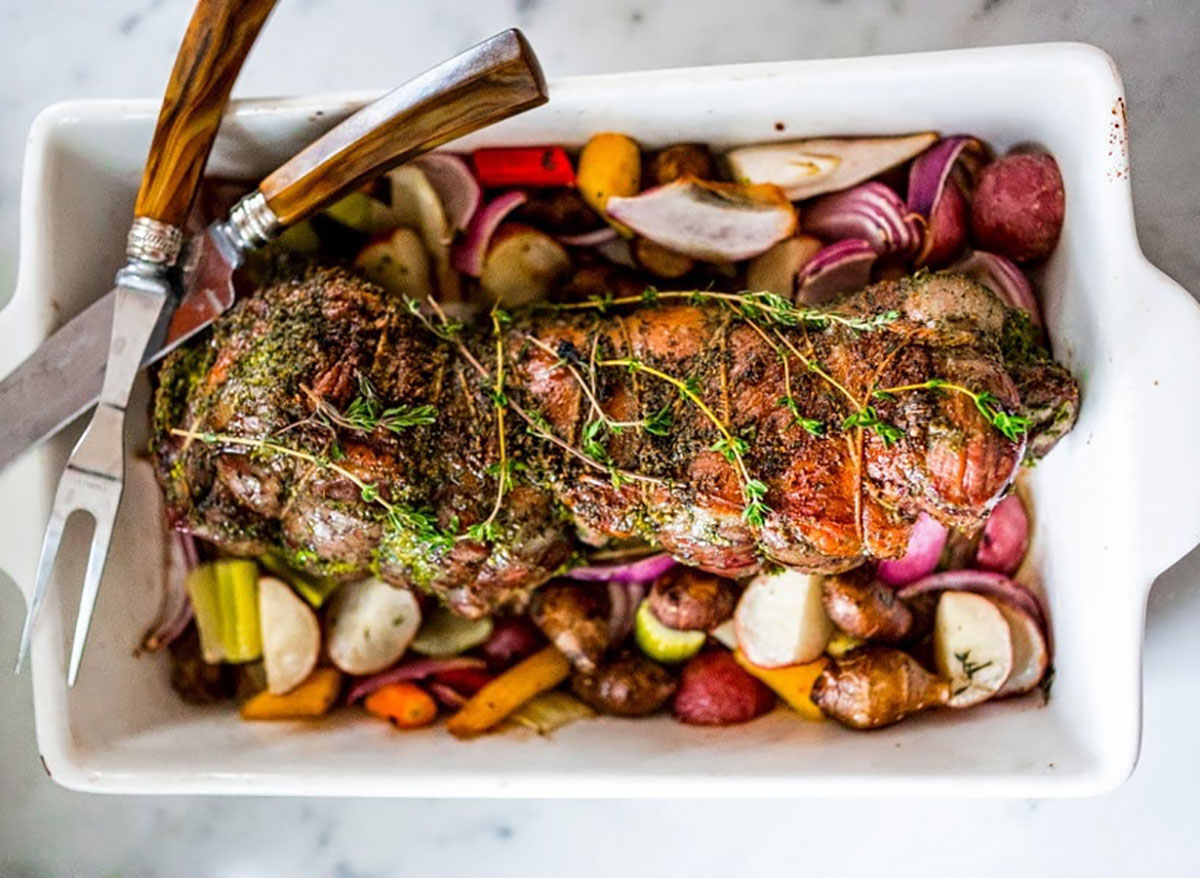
<point x="575" y="619"/>
<point x="631" y="685"/>
<point x="876" y="686"/>
<point x="688" y="599"/>
<point x="714" y="690"/>
<point x="681" y="160"/>
<point x="863" y="606"/>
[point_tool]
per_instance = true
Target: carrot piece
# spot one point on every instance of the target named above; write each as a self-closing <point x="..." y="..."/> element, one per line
<point x="792" y="683"/>
<point x="314" y="697"/>
<point x="406" y="705"/>
<point x="540" y="672"/>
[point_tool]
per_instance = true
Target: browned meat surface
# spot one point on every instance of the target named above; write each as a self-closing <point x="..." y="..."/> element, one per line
<point x="297" y="365"/>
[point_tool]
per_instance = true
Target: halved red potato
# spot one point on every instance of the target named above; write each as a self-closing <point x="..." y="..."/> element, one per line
<point x="972" y="647"/>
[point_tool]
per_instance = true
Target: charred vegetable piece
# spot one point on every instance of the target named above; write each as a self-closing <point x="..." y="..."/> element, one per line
<point x="575" y="618"/>
<point x="663" y="644"/>
<point x="532" y="166"/>
<point x="559" y="212"/>
<point x="876" y="686"/>
<point x="714" y="690"/>
<point x="314" y="697"/>
<point x="610" y="164"/>
<point x="404" y="705"/>
<point x="682" y="160"/>
<point x="539" y="673"/>
<point x="690" y="599"/>
<point x="793" y="684"/>
<point x="864" y="607"/>
<point x="631" y="685"/>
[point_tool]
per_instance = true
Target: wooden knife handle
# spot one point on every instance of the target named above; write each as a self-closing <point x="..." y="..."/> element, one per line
<point x="496" y="79"/>
<point x="217" y="41"/>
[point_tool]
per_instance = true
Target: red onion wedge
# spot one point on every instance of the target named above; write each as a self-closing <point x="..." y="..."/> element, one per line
<point x="925" y="543"/>
<point x="446" y="696"/>
<point x="175" y="608"/>
<point x="469" y="256"/>
<point x="594" y="238"/>
<point x="418" y="670"/>
<point x="872" y="212"/>
<point x="623" y="600"/>
<point x="1002" y="276"/>
<point x="839" y="268"/>
<point x="930" y="171"/>
<point x="717" y="222"/>
<point x="984" y="582"/>
<point x="513" y="638"/>
<point x="642" y="570"/>
<point x="1005" y="537"/>
<point x="455" y="185"/>
<point x="804" y="168"/>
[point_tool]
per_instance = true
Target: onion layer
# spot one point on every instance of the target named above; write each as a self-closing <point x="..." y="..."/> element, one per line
<point x="469" y="256"/>
<point x="1004" y="278"/>
<point x="418" y="670"/>
<point x="872" y="212"/>
<point x="839" y="268"/>
<point x="642" y="570"/>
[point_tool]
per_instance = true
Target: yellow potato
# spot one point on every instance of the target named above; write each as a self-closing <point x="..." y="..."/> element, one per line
<point x="314" y="697"/>
<point x="610" y="164"/>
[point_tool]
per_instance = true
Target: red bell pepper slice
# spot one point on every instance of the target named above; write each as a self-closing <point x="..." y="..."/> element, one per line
<point x="534" y="166"/>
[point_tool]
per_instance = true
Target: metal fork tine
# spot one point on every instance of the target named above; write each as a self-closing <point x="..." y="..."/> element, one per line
<point x="97" y="557"/>
<point x="54" y="532"/>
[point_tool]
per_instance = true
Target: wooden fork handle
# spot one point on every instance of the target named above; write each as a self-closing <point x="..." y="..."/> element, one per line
<point x="217" y="41"/>
<point x="496" y="79"/>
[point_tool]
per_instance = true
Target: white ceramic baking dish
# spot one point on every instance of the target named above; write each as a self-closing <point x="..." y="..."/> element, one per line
<point x="1114" y="504"/>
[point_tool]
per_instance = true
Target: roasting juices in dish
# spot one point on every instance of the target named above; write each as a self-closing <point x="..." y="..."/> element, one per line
<point x="526" y="436"/>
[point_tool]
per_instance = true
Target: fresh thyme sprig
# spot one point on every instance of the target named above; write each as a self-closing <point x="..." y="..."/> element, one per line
<point x="486" y="531"/>
<point x="732" y="448"/>
<point x="770" y="308"/>
<point x="365" y="413"/>
<point x="969" y="668"/>
<point x="1011" y="426"/>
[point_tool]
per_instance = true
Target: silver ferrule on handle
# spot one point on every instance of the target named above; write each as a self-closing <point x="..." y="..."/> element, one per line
<point x="252" y="223"/>
<point x="152" y="241"/>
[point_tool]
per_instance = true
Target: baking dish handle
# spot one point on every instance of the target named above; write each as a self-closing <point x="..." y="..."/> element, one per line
<point x="1166" y="411"/>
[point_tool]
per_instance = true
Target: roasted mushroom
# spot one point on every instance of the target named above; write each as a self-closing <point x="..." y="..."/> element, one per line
<point x="631" y="685"/>
<point x="574" y="618"/>
<point x="688" y="599"/>
<point x="863" y="606"/>
<point x="875" y="686"/>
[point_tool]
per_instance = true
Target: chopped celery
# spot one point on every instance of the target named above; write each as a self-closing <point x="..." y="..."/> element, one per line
<point x="225" y="601"/>
<point x="314" y="589"/>
<point x="550" y="711"/>
<point x="663" y="644"/>
<point x="445" y="633"/>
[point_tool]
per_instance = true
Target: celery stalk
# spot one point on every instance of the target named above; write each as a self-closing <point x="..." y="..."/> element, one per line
<point x="225" y="601"/>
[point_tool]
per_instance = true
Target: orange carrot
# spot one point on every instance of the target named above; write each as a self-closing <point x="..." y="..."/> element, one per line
<point x="406" y="705"/>
<point x="539" y="673"/>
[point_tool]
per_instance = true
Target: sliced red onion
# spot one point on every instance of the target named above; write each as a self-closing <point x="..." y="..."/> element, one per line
<point x="175" y="608"/>
<point x="454" y="184"/>
<point x="1005" y="537"/>
<point x="839" y="268"/>
<point x="1004" y="278"/>
<point x="469" y="256"/>
<point x="931" y="169"/>
<point x="623" y="598"/>
<point x="872" y="212"/>
<point x="983" y="582"/>
<point x="447" y="696"/>
<point x="642" y="570"/>
<point x="417" y="670"/>
<point x="513" y="638"/>
<point x="590" y="239"/>
<point x="925" y="543"/>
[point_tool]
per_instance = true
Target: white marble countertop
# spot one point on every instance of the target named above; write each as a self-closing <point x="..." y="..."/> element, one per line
<point x="71" y="48"/>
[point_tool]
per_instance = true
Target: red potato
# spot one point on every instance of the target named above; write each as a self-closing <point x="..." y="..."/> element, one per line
<point x="1018" y="207"/>
<point x="973" y="647"/>
<point x="522" y="265"/>
<point x="946" y="235"/>
<point x="925" y="543"/>
<point x="1005" y="537"/>
<point x="715" y="691"/>
<point x="1031" y="653"/>
<point x="780" y="619"/>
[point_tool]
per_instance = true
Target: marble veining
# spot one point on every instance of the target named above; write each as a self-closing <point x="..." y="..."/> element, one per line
<point x="62" y="49"/>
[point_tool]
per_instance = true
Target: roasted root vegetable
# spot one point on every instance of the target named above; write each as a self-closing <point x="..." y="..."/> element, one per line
<point x="682" y="160"/>
<point x="539" y="673"/>
<point x="1031" y="653"/>
<point x="404" y="705"/>
<point x="513" y="638"/>
<point x="630" y="685"/>
<point x="314" y="697"/>
<point x="842" y="267"/>
<point x="610" y="164"/>
<point x="663" y="644"/>
<point x="778" y="269"/>
<point x="522" y="265"/>
<point x="398" y="262"/>
<point x="926" y="540"/>
<point x="417" y="205"/>
<point x="714" y="690"/>
<point x="690" y="599"/>
<point x="780" y="619"/>
<point x="793" y="684"/>
<point x="559" y="212"/>
<point x="717" y="222"/>
<point x="866" y="608"/>
<point x="804" y="168"/>
<point x="972" y="645"/>
<point x="575" y="618"/>
<point x="291" y="635"/>
<point x="369" y="625"/>
<point x="1018" y="206"/>
<point x="660" y="261"/>
<point x="876" y="686"/>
